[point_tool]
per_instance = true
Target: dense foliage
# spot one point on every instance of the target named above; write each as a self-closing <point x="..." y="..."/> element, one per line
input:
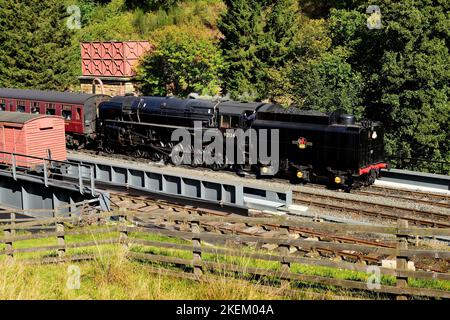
<point x="34" y="45"/>
<point x="315" y="54"/>
<point x="151" y="4"/>
<point x="257" y="39"/>
<point x="184" y="61"/>
<point x="406" y="67"/>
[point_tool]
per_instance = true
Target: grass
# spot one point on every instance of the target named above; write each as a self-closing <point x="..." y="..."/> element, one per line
<point x="112" y="276"/>
<point x="115" y="277"/>
<point x="244" y="260"/>
<point x="88" y="236"/>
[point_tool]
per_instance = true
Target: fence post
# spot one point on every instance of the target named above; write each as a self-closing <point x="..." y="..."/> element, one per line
<point x="284" y="251"/>
<point x="61" y="238"/>
<point x="196" y="243"/>
<point x="9" y="244"/>
<point x="402" y="262"/>
<point x="13" y="223"/>
<point x="123" y="236"/>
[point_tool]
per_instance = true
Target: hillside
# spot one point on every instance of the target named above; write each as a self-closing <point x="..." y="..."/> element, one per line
<point x="391" y="64"/>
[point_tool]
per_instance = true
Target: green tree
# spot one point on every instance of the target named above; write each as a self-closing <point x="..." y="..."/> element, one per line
<point x="280" y="28"/>
<point x="406" y="65"/>
<point x="323" y="76"/>
<point x="242" y="28"/>
<point x="327" y="84"/>
<point x="185" y="61"/>
<point x="34" y="45"/>
<point x="257" y="41"/>
<point x="151" y="4"/>
<point x="308" y="44"/>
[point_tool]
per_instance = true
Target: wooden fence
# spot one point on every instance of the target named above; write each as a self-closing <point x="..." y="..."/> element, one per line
<point x="201" y="242"/>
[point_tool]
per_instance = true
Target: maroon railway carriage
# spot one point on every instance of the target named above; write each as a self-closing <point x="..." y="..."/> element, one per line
<point x="78" y="110"/>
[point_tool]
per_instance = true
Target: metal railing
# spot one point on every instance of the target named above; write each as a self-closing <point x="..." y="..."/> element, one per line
<point x="50" y="170"/>
<point x="420" y="164"/>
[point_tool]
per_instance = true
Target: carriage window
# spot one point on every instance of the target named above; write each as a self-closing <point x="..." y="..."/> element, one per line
<point x="50" y="109"/>
<point x="35" y="109"/>
<point x="21" y="106"/>
<point x="2" y="105"/>
<point x="67" y="113"/>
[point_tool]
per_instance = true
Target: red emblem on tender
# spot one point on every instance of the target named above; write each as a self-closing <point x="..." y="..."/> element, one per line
<point x="302" y="143"/>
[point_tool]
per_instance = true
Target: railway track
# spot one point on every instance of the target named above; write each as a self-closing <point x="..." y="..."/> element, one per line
<point x="367" y="208"/>
<point x="435" y="199"/>
<point x="145" y="206"/>
<point x="422" y="197"/>
<point x="429" y="198"/>
<point x="362" y="207"/>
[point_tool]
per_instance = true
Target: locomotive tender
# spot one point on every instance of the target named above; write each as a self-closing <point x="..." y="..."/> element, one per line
<point x="312" y="145"/>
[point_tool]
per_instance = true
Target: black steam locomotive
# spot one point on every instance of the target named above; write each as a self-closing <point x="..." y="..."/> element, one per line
<point x="311" y="145"/>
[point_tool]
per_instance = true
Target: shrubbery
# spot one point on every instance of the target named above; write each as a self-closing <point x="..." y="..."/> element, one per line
<point x="315" y="54"/>
<point x="185" y="61"/>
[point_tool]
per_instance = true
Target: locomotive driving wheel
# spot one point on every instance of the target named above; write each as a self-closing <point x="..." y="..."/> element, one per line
<point x="138" y="153"/>
<point x="220" y="164"/>
<point x="217" y="166"/>
<point x="108" y="149"/>
<point x="156" y="157"/>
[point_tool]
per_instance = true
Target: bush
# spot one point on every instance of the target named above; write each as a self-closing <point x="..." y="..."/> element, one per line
<point x="185" y="61"/>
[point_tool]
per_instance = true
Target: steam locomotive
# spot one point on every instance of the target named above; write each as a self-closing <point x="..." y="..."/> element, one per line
<point x="310" y="145"/>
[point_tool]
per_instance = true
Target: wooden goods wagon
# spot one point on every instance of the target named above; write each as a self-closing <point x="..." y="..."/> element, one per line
<point x="34" y="135"/>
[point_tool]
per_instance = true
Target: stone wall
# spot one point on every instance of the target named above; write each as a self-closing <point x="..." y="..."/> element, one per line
<point x="112" y="88"/>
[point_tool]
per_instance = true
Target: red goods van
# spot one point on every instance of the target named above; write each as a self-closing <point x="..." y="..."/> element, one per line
<point x="34" y="135"/>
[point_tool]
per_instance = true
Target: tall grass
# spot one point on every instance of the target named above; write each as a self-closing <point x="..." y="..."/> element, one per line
<point x="111" y="275"/>
<point x="115" y="277"/>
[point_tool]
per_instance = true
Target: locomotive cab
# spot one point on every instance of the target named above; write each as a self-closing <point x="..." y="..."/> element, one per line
<point x="233" y="115"/>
